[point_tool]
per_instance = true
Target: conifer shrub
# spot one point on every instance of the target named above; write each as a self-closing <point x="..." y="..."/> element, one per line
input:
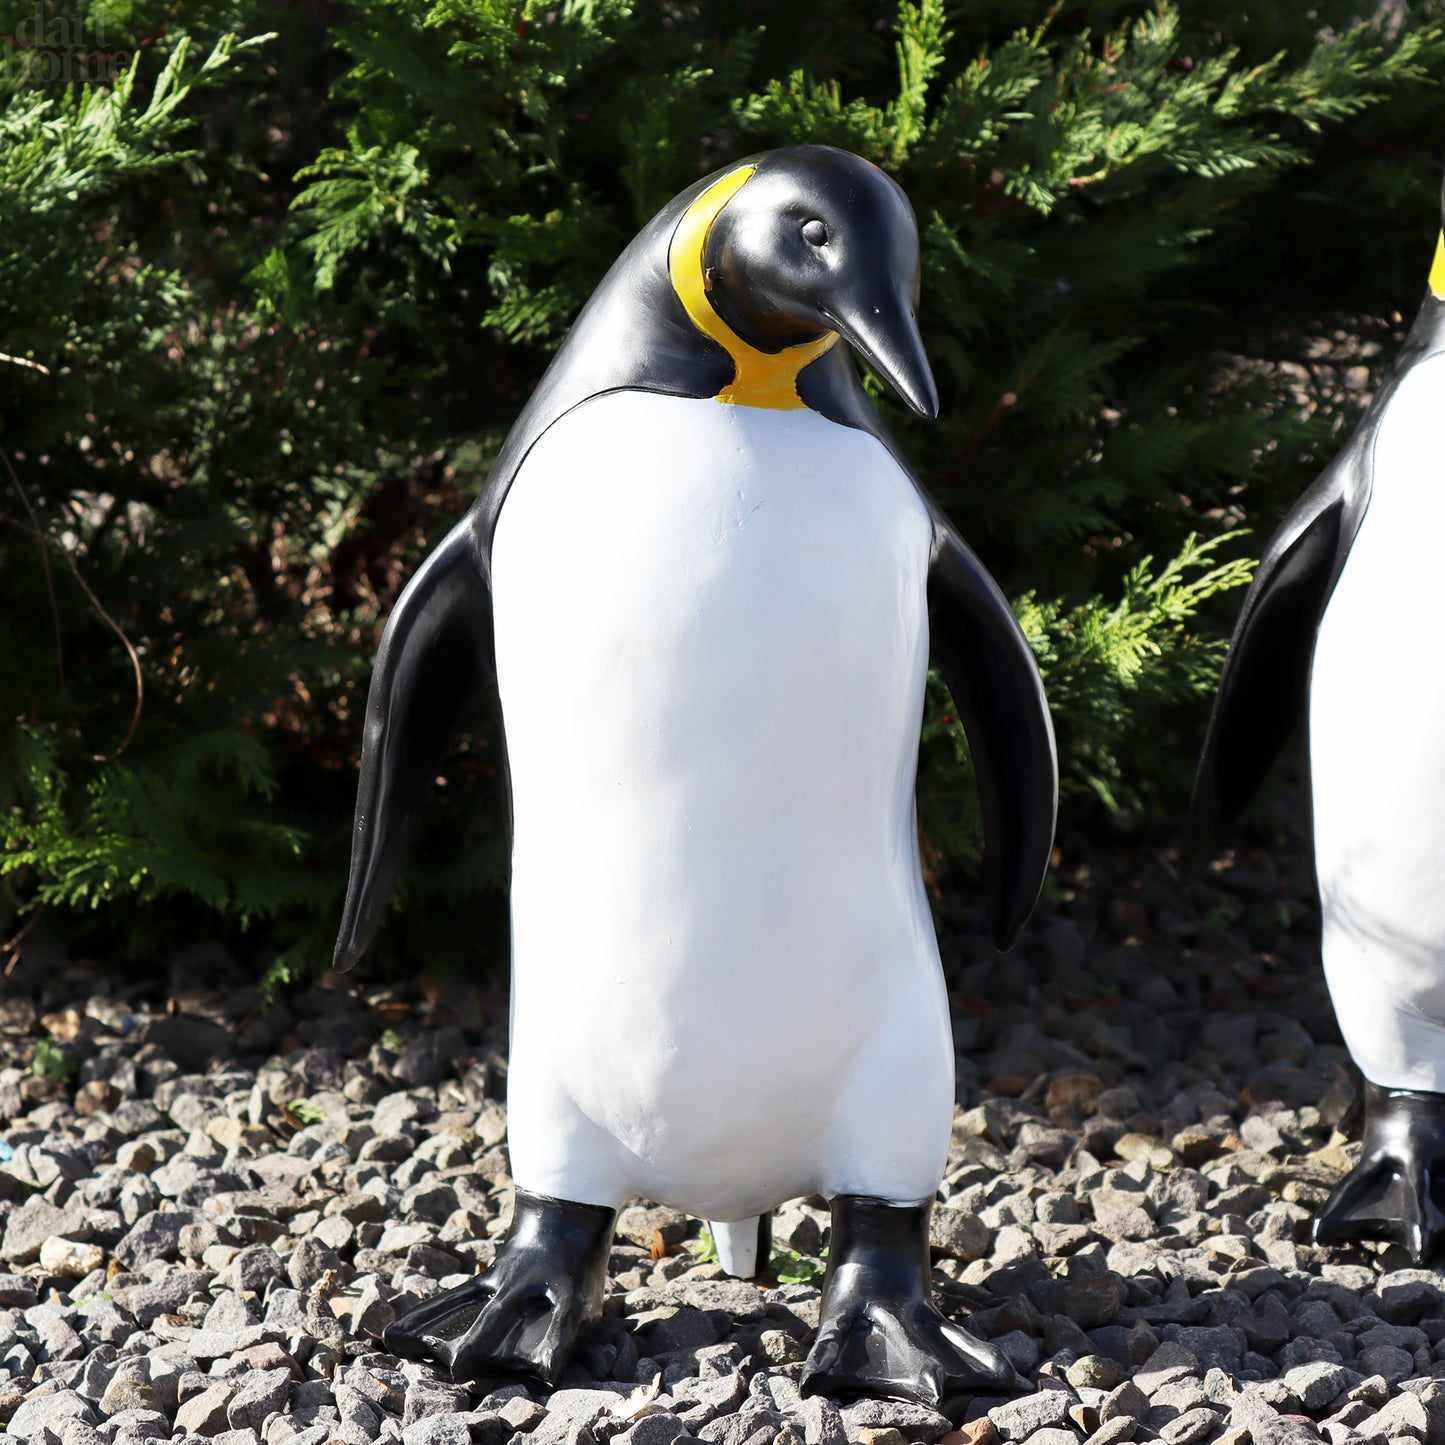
<point x="276" y="279"/>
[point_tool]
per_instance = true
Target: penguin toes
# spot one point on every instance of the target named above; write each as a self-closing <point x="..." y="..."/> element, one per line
<point x="494" y="1326"/>
<point x="426" y="1332"/>
<point x="1387" y="1197"/>
<point x="904" y="1350"/>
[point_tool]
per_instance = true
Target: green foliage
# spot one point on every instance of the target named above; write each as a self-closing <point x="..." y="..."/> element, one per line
<point x="704" y="1248"/>
<point x="49" y="1062"/>
<point x="271" y="303"/>
<point x="1104" y="665"/>
<point x="789" y="1267"/>
<point x="305" y="1111"/>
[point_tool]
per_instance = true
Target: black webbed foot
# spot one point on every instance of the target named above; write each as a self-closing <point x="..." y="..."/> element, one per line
<point x="880" y="1333"/>
<point x="1395" y="1193"/>
<point x="527" y="1314"/>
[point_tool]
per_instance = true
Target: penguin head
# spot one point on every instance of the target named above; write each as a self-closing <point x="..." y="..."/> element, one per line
<point x="819" y="241"/>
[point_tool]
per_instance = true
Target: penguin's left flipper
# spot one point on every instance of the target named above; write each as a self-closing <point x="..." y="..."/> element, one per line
<point x="991" y="673"/>
<point x="1265" y="682"/>
<point x="1393" y="1193"/>
<point x="435" y="657"/>
<point x="527" y="1314"/>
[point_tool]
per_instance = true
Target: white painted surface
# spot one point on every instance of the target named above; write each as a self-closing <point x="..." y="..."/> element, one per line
<point x="1377" y="756"/>
<point x="712" y="642"/>
<point x="737" y="1245"/>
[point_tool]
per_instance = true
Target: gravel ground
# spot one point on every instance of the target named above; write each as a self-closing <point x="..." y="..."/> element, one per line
<point x="208" y="1222"/>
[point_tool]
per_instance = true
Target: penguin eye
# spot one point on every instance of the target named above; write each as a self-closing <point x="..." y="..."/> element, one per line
<point x="815" y="233"/>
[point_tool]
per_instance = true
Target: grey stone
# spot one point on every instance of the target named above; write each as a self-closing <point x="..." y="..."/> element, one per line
<point x="228" y="1312"/>
<point x="262" y="1393"/>
<point x="1393" y="1363"/>
<point x="1407" y="1296"/>
<point x="682" y="1330"/>
<point x="1018" y="1419"/>
<point x="437" y="1430"/>
<point x="154" y="1236"/>
<point x="1095" y="1372"/>
<point x="17" y="1291"/>
<point x="1168" y="1363"/>
<point x="310" y="1261"/>
<point x="217" y="1344"/>
<point x="205" y="1414"/>
<point x="735" y="1297"/>
<point x="432" y="1397"/>
<point x="521" y="1413"/>
<point x="916" y="1420"/>
<point x="148" y="1302"/>
<point x="39" y="1415"/>
<point x="355" y="1409"/>
<point x="1404" y="1415"/>
<point x="129" y="1391"/>
<point x="958" y="1233"/>
<point x="637" y="1222"/>
<point x="1125" y="1400"/>
<point x="137" y="1424"/>
<point x="1213" y="1346"/>
<point x="77" y="1432"/>
<point x="28" y="1227"/>
<point x="1316" y="1385"/>
<point x="1091" y="1298"/>
<point x="254" y="1268"/>
<point x="1021" y="1350"/>
<point x="821" y="1420"/>
<point x="1190" y="1426"/>
<point x="662" y="1429"/>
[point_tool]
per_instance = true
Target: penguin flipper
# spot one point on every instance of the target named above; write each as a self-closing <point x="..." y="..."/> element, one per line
<point x="990" y="670"/>
<point x="1265" y="681"/>
<point x="1393" y="1194"/>
<point x="435" y="657"/>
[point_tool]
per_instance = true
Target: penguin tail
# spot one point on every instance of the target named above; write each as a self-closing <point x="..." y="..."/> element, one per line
<point x="435" y="658"/>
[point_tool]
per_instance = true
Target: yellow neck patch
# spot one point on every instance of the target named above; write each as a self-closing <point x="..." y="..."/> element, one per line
<point x="1437" y="271"/>
<point x="760" y="378"/>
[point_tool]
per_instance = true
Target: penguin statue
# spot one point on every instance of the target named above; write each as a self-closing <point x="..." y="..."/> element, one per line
<point x="1334" y="620"/>
<point x="707" y="586"/>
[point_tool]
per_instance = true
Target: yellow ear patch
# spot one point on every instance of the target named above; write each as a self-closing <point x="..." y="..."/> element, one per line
<point x="1437" y="271"/>
<point x="760" y="378"/>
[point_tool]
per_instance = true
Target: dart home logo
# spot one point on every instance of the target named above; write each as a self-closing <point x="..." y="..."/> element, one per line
<point x="52" y="48"/>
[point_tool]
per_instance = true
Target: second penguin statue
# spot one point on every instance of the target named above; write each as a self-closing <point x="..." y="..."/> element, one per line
<point x="708" y="588"/>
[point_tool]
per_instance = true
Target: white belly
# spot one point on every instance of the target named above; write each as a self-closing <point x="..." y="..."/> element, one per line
<point x="1377" y="756"/>
<point x="712" y="639"/>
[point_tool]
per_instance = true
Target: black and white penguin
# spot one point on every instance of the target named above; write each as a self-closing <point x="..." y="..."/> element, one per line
<point x="1336" y="625"/>
<point x="708" y="587"/>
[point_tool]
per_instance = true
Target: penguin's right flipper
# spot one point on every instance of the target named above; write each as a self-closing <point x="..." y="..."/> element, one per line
<point x="435" y="657"/>
<point x="1394" y="1193"/>
<point x="990" y="670"/>
<point x="1265" y="681"/>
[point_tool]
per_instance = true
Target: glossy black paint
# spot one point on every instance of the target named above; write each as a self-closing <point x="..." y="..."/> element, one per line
<point x="788" y="263"/>
<point x="993" y="678"/>
<point x="1264" y="688"/>
<point x="436" y="655"/>
<point x="527" y="1314"/>
<point x="1396" y="1192"/>
<point x="880" y="1333"/>
<point x="435" y="659"/>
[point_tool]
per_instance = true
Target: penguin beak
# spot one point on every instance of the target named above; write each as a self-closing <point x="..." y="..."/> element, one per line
<point x="880" y="324"/>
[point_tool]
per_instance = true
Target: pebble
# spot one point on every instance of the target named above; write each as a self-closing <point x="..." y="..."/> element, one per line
<point x="1124" y="1215"/>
